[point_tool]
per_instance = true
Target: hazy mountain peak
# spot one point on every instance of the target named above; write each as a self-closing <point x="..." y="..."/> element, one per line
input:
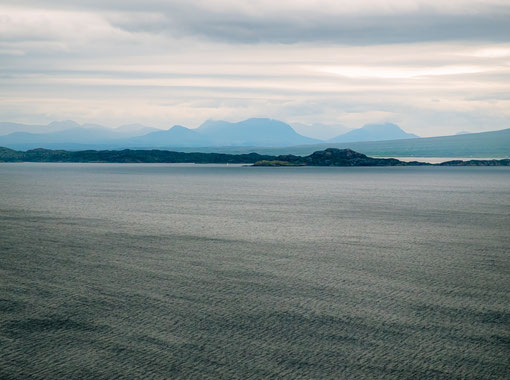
<point x="262" y="122"/>
<point x="133" y="127"/>
<point x="381" y="126"/>
<point x="319" y="130"/>
<point x="374" y="132"/>
<point x="64" y="124"/>
<point x="178" y="128"/>
<point x="94" y="126"/>
<point x="133" y="130"/>
<point x="172" y="137"/>
<point x="254" y="131"/>
<point x="260" y="119"/>
<point x="212" y="124"/>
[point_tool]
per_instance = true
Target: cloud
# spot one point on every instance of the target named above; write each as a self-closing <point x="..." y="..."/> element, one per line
<point x="432" y="66"/>
<point x="361" y="22"/>
<point x="289" y="21"/>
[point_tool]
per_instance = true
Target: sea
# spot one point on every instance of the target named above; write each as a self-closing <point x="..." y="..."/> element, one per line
<point x="168" y="271"/>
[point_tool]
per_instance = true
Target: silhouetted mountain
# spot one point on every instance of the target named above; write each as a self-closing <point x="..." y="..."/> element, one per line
<point x="173" y="137"/>
<point x="7" y="128"/>
<point x="252" y="132"/>
<point x="66" y="124"/>
<point x="67" y="134"/>
<point x="135" y="129"/>
<point x="74" y="135"/>
<point x="320" y="131"/>
<point x="374" y="132"/>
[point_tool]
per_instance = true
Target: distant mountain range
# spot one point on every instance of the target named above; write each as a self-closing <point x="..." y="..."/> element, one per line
<point x="58" y="126"/>
<point x="320" y="131"/>
<point x="256" y="132"/>
<point x="251" y="132"/>
<point x="374" y="132"/>
<point x="484" y="144"/>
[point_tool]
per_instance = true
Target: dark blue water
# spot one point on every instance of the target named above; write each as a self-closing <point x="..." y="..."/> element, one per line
<point x="181" y="271"/>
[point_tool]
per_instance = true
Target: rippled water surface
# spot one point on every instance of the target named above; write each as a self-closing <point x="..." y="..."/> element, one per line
<point x="182" y="271"/>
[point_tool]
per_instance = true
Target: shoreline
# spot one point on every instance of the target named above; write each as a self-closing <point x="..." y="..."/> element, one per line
<point x="327" y="157"/>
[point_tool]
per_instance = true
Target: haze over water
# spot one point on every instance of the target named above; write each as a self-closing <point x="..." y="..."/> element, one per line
<point x="188" y="271"/>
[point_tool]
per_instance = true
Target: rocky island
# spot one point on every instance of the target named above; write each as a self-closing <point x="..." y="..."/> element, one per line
<point x="334" y="157"/>
<point x="348" y="157"/>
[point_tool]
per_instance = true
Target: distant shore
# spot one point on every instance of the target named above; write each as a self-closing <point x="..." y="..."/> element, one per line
<point x="438" y="160"/>
<point x="327" y="157"/>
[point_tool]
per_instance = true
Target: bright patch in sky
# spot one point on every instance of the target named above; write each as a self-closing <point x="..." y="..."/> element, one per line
<point x="400" y="72"/>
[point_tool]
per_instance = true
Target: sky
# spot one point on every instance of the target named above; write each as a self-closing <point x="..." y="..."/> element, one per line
<point x="433" y="67"/>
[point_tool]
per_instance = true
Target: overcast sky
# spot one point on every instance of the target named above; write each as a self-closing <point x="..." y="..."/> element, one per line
<point x="434" y="67"/>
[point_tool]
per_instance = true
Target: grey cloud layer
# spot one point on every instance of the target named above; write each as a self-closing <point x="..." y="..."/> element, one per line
<point x="366" y="22"/>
